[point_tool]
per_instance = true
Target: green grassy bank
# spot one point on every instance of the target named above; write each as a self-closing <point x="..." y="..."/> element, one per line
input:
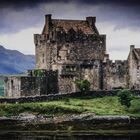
<point x="99" y="106"/>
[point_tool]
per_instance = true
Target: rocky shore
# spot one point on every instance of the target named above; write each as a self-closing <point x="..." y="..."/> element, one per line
<point x="70" y="123"/>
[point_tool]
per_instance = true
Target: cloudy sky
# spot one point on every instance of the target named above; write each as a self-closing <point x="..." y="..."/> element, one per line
<point x="118" y="19"/>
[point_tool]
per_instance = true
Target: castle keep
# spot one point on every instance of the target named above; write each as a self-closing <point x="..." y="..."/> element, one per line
<point x="70" y="49"/>
<point x="74" y="48"/>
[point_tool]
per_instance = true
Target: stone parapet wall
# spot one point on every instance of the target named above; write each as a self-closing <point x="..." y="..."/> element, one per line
<point x="41" y="83"/>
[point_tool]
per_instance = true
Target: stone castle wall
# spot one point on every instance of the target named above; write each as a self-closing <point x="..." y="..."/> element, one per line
<point x="31" y="85"/>
<point x="74" y="48"/>
<point x="64" y="41"/>
<point x="134" y="68"/>
<point x="12" y="86"/>
<point x="116" y="74"/>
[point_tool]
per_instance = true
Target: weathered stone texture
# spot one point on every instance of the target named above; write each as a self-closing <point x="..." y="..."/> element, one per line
<point x="74" y="48"/>
<point x="116" y="74"/>
<point x="51" y="97"/>
<point x="31" y="85"/>
<point x="68" y="40"/>
<point x="134" y="67"/>
<point x="91" y="73"/>
<point x="66" y="85"/>
<point x="12" y="86"/>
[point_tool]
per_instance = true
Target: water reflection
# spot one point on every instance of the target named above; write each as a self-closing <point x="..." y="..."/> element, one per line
<point x="24" y="136"/>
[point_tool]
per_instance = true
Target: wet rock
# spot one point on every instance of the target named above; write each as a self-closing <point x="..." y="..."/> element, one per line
<point x="25" y="117"/>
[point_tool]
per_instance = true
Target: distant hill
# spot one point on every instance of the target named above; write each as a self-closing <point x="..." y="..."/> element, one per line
<point x="15" y="62"/>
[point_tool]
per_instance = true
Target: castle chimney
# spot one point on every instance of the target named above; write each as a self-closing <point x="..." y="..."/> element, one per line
<point x="91" y="20"/>
<point x="47" y="23"/>
<point x="48" y="18"/>
<point x="132" y="47"/>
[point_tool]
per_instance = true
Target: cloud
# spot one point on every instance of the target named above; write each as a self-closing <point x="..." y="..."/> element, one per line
<point x="119" y="41"/>
<point x="18" y="15"/>
<point x="22" y="41"/>
<point x="13" y="21"/>
<point x="26" y="3"/>
<point x="32" y="3"/>
<point x="114" y="2"/>
<point x="120" y="20"/>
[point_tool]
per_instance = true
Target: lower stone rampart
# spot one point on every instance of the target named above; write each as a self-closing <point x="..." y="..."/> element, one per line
<point x="70" y="123"/>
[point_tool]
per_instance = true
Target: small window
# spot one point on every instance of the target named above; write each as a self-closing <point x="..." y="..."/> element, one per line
<point x="12" y="83"/>
<point x="43" y="60"/>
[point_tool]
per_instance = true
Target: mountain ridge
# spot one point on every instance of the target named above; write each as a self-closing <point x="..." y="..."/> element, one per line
<point x="15" y="62"/>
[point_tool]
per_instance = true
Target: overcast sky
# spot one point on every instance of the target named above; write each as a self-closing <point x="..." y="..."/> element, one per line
<point x="118" y="19"/>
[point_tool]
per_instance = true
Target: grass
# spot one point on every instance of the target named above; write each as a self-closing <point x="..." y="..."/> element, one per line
<point x="100" y="106"/>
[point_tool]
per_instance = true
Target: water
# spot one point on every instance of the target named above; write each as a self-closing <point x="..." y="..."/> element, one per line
<point x="1" y="87"/>
<point x="64" y="136"/>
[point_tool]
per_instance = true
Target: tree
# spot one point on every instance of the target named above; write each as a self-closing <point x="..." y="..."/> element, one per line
<point x="125" y="97"/>
<point x="83" y="85"/>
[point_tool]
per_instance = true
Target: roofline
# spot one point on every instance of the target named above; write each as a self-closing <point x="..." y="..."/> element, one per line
<point x="68" y="20"/>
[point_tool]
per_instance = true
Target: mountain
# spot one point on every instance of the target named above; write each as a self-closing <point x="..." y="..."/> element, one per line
<point x="15" y="62"/>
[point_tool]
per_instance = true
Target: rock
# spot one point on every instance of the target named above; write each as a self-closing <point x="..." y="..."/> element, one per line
<point x="26" y="116"/>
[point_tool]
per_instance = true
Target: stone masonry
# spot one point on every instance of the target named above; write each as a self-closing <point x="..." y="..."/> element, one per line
<point x="31" y="85"/>
<point x="134" y="68"/>
<point x="74" y="49"/>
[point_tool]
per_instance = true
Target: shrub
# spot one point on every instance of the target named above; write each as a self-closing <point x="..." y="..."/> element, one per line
<point x="39" y="73"/>
<point x="83" y="85"/>
<point x="135" y="106"/>
<point x="125" y="97"/>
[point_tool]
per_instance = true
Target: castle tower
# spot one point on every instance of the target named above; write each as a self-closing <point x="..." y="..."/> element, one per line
<point x="74" y="48"/>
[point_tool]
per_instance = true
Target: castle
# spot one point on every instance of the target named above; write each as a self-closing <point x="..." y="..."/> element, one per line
<point x="70" y="49"/>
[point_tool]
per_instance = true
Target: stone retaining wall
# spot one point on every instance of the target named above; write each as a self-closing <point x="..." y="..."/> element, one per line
<point x="68" y="123"/>
<point x="51" y="97"/>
